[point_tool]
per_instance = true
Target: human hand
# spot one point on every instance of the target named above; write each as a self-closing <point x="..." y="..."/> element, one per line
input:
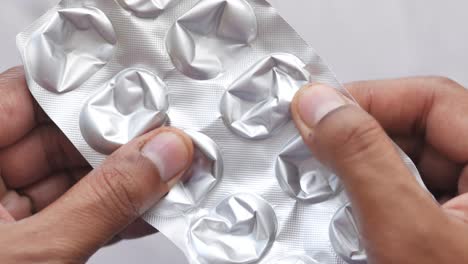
<point x="427" y="117"/>
<point x="46" y="217"/>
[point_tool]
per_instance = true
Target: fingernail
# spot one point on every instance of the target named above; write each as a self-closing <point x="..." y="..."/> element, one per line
<point x="169" y="153"/>
<point x="316" y="101"/>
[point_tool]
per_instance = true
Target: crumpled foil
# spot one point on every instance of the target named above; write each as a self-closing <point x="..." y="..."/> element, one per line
<point x="225" y="71"/>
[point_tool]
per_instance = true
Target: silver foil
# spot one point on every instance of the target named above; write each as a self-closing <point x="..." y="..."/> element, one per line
<point x="345" y="236"/>
<point x="302" y="176"/>
<point x="200" y="178"/>
<point x="132" y="103"/>
<point x="205" y="38"/>
<point x="239" y="230"/>
<point x="147" y="8"/>
<point x="70" y="48"/>
<point x="225" y="71"/>
<point x="257" y="104"/>
<point x="296" y="260"/>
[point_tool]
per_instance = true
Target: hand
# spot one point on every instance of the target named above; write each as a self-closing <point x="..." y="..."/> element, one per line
<point x="38" y="171"/>
<point x="427" y="117"/>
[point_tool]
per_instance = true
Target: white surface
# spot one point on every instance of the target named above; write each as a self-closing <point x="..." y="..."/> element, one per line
<point x="360" y="39"/>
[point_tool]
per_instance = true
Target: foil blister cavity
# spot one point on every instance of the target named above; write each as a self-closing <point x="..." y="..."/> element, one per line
<point x="210" y="34"/>
<point x="132" y="103"/>
<point x="147" y="8"/>
<point x="302" y="177"/>
<point x="345" y="236"/>
<point x="70" y="48"/>
<point x="257" y="104"/>
<point x="206" y="171"/>
<point x="240" y="229"/>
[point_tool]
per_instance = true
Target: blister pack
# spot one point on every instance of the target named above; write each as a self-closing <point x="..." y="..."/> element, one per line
<point x="225" y="71"/>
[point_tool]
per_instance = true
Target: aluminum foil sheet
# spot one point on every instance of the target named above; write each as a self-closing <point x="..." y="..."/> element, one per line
<point x="205" y="172"/>
<point x="259" y="113"/>
<point x="147" y="8"/>
<point x="302" y="177"/>
<point x="296" y="260"/>
<point x="132" y="103"/>
<point x="240" y="229"/>
<point x="73" y="45"/>
<point x="209" y="35"/>
<point x="225" y="71"/>
<point x="345" y="237"/>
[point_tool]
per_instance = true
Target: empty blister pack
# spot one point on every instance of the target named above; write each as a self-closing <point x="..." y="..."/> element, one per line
<point x="225" y="71"/>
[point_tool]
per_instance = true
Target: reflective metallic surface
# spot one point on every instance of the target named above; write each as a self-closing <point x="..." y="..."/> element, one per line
<point x="205" y="172"/>
<point x="227" y="69"/>
<point x="295" y="260"/>
<point x="70" y="48"/>
<point x="256" y="105"/>
<point x="301" y="176"/>
<point x="210" y="33"/>
<point x="129" y="105"/>
<point x="345" y="236"/>
<point x="147" y="8"/>
<point x="239" y="230"/>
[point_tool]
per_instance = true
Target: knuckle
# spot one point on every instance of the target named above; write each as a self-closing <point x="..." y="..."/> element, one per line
<point x="360" y="139"/>
<point x="115" y="190"/>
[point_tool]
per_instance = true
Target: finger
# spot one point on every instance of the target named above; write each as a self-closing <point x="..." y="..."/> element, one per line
<point x="3" y="188"/>
<point x="463" y="181"/>
<point x="19" y="112"/>
<point x="388" y="201"/>
<point x="137" y="229"/>
<point x="18" y="206"/>
<point x="411" y="145"/>
<point x="444" y="198"/>
<point x="111" y="197"/>
<point x="44" y="151"/>
<point x="438" y="172"/>
<point x="46" y="191"/>
<point x="5" y="216"/>
<point x="458" y="207"/>
<point x="434" y="108"/>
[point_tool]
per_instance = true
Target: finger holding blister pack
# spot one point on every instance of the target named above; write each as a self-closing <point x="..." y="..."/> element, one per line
<point x="224" y="71"/>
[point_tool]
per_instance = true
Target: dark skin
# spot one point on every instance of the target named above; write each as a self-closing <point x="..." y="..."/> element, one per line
<point x="54" y="165"/>
<point x="399" y="221"/>
<point x="53" y="204"/>
<point x="425" y="116"/>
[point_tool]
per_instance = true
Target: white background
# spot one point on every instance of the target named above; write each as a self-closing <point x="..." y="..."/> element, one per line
<point x="360" y="39"/>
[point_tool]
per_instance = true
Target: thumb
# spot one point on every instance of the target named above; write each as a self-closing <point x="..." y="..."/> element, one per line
<point x="112" y="196"/>
<point x="384" y="193"/>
